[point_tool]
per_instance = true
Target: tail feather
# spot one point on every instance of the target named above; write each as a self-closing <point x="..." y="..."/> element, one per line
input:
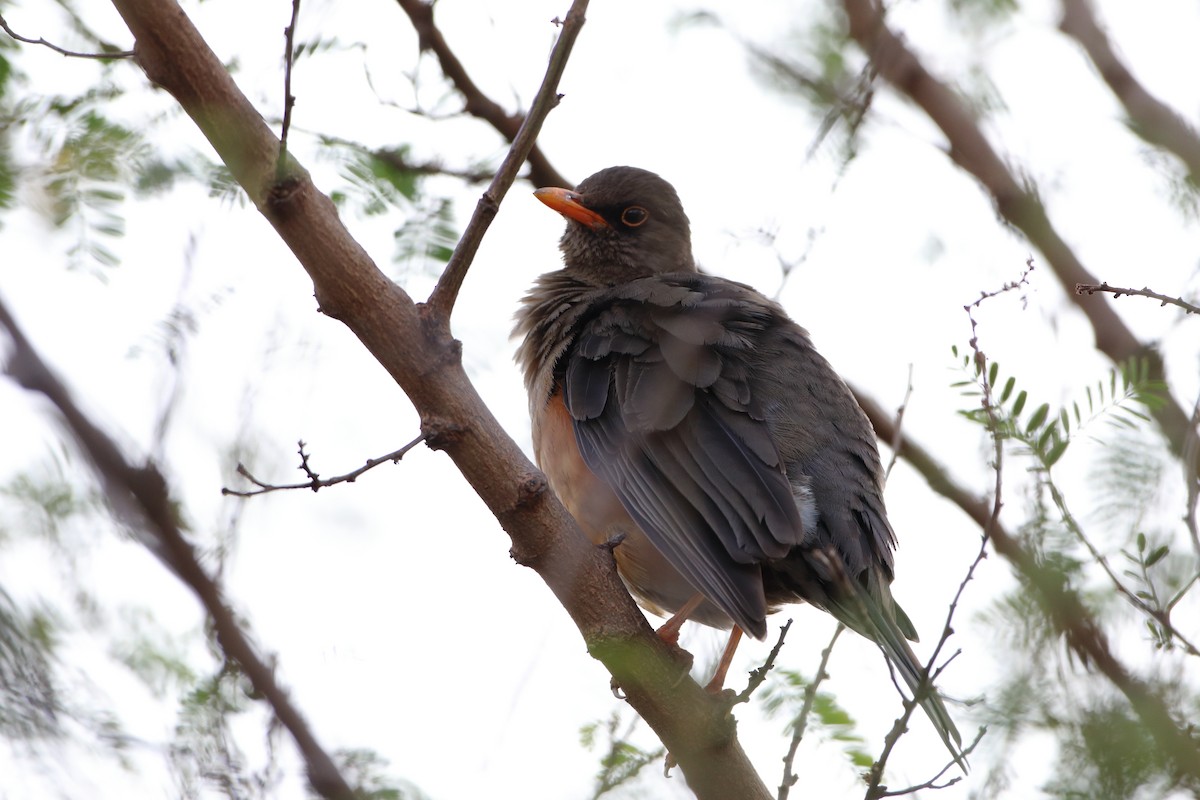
<point x="875" y="617"/>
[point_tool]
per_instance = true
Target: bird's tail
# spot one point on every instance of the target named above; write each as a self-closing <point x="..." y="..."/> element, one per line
<point x="871" y="612"/>
<point x="884" y="629"/>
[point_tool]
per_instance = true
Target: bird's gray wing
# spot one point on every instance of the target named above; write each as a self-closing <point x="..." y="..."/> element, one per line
<point x="657" y="382"/>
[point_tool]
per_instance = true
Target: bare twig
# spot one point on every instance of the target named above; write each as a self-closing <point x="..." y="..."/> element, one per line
<point x="315" y="481"/>
<point x="441" y="302"/>
<point x="875" y="789"/>
<point x="140" y="497"/>
<point x="289" y="100"/>
<point x="1153" y="120"/>
<point x="1011" y="286"/>
<point x="69" y="53"/>
<point x="478" y="104"/>
<point x="929" y="675"/>
<point x="1092" y="288"/>
<point x="800" y="724"/>
<point x="894" y="442"/>
<point x="757" y="676"/>
<point x="932" y="783"/>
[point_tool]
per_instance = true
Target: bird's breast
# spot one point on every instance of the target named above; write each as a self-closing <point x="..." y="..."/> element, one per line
<point x="651" y="579"/>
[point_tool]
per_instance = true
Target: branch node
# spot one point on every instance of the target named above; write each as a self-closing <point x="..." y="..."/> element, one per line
<point x="532" y="488"/>
<point x="440" y="433"/>
<point x="612" y="543"/>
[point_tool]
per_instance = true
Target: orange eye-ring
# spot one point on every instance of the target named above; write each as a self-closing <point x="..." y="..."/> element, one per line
<point x="635" y="216"/>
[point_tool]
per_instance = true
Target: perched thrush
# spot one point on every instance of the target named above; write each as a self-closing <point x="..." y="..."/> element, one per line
<point x="689" y="414"/>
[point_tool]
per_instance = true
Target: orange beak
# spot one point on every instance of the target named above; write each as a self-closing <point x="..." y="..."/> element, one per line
<point x="568" y="203"/>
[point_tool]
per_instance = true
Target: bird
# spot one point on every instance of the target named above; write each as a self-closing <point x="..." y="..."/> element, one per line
<point x="687" y="418"/>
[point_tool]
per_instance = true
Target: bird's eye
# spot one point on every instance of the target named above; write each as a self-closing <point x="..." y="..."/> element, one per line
<point x="635" y="216"/>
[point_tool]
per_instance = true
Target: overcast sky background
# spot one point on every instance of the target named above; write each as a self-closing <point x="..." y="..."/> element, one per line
<point x="398" y="620"/>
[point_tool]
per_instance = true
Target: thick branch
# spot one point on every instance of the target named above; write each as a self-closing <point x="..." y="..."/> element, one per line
<point x="140" y="496"/>
<point x="478" y="104"/>
<point x="1018" y="205"/>
<point x="1152" y="119"/>
<point x="425" y="361"/>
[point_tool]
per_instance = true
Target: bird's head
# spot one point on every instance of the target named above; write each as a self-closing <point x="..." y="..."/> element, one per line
<point x="623" y="223"/>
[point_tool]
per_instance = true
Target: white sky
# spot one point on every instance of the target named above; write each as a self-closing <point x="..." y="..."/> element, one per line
<point x="399" y="622"/>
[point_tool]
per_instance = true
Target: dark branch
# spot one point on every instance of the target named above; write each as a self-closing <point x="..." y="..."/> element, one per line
<point x="139" y="495"/>
<point x="441" y="302"/>
<point x="289" y="100"/>
<point x="1092" y="288"/>
<point x="541" y="172"/>
<point x="757" y="676"/>
<point x="315" y="481"/>
<point x="1153" y="120"/>
<point x="1016" y="203"/>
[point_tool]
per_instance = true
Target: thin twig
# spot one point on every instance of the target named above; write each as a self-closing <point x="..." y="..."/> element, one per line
<point x="478" y="104"/>
<point x="1162" y="617"/>
<point x="140" y="497"/>
<point x="315" y="481"/>
<point x="1092" y="288"/>
<point x="800" y="724"/>
<point x="757" y="676"/>
<point x="289" y="100"/>
<point x="932" y="783"/>
<point x="69" y="53"/>
<point x="875" y="789"/>
<point x="894" y="442"/>
<point x="441" y="302"/>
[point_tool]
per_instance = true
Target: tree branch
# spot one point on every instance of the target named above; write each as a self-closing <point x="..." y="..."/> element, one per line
<point x="140" y="497"/>
<point x="315" y="481"/>
<point x="1018" y="205"/>
<point x="289" y="100"/>
<point x="107" y="56"/>
<point x="1092" y="288"/>
<point x="1062" y="603"/>
<point x="800" y="723"/>
<point x="441" y="302"/>
<point x="1153" y="120"/>
<point x="478" y="104"/>
<point x="426" y="363"/>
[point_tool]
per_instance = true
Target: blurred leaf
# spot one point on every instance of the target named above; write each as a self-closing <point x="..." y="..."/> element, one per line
<point x="365" y="771"/>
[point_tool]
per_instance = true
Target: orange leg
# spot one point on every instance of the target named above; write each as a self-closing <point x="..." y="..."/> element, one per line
<point x="718" y="679"/>
<point x="669" y="632"/>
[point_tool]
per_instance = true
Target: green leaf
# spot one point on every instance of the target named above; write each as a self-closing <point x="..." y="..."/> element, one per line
<point x="1038" y="418"/>
<point x="1157" y="555"/>
<point x="1019" y="403"/>
<point x="1056" y="452"/>
<point x="1007" y="390"/>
